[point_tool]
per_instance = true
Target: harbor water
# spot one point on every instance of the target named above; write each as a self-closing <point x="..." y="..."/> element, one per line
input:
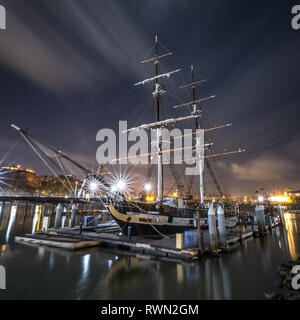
<point x="38" y="272"/>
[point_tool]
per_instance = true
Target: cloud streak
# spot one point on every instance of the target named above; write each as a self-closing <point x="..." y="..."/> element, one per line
<point x="82" y="43"/>
<point x="264" y="168"/>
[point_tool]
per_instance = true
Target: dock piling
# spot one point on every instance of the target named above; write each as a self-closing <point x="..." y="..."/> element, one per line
<point x="221" y="225"/>
<point x="199" y="233"/>
<point x="45" y="223"/>
<point x="179" y="240"/>
<point x="212" y="226"/>
<point x="281" y="214"/>
<point x="73" y="214"/>
<point x="58" y="216"/>
<point x="129" y="233"/>
<point x="260" y="218"/>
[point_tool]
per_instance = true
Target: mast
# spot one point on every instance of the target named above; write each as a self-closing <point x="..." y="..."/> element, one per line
<point x="198" y="142"/>
<point x="157" y="94"/>
<point x="197" y="125"/>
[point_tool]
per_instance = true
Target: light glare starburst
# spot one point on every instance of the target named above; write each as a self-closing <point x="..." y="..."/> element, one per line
<point x="93" y="185"/>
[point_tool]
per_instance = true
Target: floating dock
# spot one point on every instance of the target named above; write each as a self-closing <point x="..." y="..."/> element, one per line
<point x="58" y="241"/>
<point x="71" y="239"/>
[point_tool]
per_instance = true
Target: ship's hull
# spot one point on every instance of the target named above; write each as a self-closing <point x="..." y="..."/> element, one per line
<point x="138" y="229"/>
<point x="149" y="224"/>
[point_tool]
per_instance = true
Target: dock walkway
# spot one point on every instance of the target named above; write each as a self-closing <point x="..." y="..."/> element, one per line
<point x="69" y="238"/>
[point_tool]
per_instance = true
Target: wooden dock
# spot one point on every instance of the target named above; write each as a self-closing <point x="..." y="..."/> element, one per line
<point x="58" y="241"/>
<point x="70" y="239"/>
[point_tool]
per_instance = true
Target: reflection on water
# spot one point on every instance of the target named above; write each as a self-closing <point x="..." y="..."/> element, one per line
<point x="85" y="265"/>
<point x="35" y="221"/>
<point x="35" y="272"/>
<point x="12" y="219"/>
<point x="291" y="228"/>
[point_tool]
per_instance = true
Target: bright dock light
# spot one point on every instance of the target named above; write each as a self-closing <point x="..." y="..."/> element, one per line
<point x="147" y="187"/>
<point x="121" y="185"/>
<point x="280" y="199"/>
<point x="260" y="199"/>
<point x="93" y="185"/>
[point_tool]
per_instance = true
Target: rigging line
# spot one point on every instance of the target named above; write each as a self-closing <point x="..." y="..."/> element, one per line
<point x="221" y="168"/>
<point x="217" y="169"/>
<point x="148" y="221"/>
<point x="140" y="209"/>
<point x="77" y="157"/>
<point x="148" y="53"/>
<point x="163" y="46"/>
<point x="171" y="93"/>
<point x="5" y="183"/>
<point x="184" y="178"/>
<point x="142" y="110"/>
<point x="98" y="216"/>
<point x="138" y="107"/>
<point x="93" y="137"/>
<point x="105" y="206"/>
<point x="163" y="107"/>
<point x="171" y="188"/>
<point x="216" y="161"/>
<point x="66" y="123"/>
<point x="44" y="161"/>
<point x="63" y="171"/>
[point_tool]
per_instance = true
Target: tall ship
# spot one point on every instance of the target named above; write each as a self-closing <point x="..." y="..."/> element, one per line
<point x="163" y="214"/>
<point x="167" y="215"/>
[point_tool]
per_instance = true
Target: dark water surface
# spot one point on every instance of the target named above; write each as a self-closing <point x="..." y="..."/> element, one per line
<point x="35" y="272"/>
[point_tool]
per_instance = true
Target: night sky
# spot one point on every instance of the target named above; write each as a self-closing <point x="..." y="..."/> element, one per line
<point x="67" y="69"/>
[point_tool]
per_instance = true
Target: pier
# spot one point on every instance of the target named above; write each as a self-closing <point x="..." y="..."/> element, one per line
<point x="51" y="200"/>
<point x="173" y="247"/>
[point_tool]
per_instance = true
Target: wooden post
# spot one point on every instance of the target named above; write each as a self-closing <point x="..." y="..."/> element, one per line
<point x="73" y="215"/>
<point x="2" y="211"/>
<point x="24" y="215"/>
<point x="281" y="214"/>
<point x="221" y="226"/>
<point x="39" y="218"/>
<point x="32" y="209"/>
<point x="260" y="218"/>
<point x="25" y="209"/>
<point x="58" y="216"/>
<point x="179" y="240"/>
<point x="212" y="228"/>
<point x="200" y="248"/>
